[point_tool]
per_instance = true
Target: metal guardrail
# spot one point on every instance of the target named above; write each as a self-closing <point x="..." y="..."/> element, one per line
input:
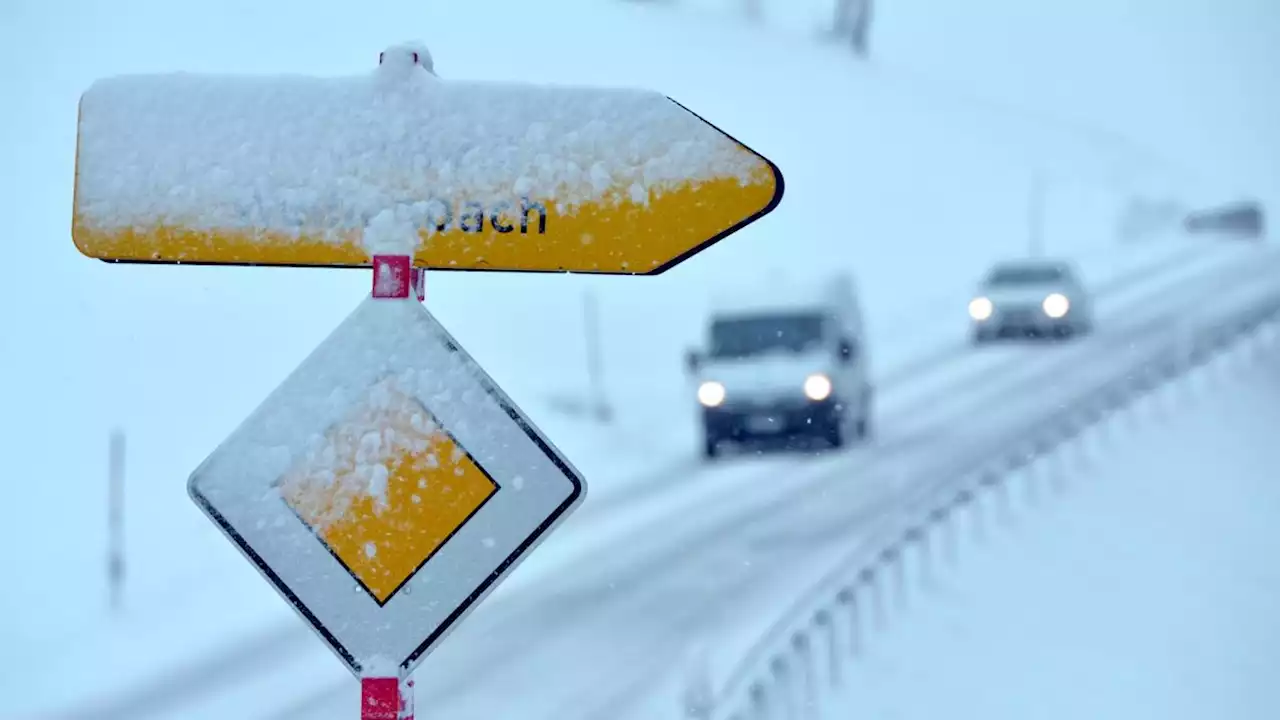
<point x="783" y="673"/>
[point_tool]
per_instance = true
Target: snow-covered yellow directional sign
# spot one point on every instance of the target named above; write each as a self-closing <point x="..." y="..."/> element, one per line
<point x="386" y="486"/>
<point x="287" y="170"/>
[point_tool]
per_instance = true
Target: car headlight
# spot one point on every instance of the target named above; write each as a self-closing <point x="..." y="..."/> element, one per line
<point x="710" y="393"/>
<point x="817" y="387"/>
<point x="1056" y="305"/>
<point x="980" y="308"/>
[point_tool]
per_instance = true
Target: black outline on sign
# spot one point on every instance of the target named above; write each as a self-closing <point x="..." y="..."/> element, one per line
<point x="491" y="388"/>
<point x="270" y="574"/>
<point x="779" y="186"/>
<point x="469" y="602"/>
<point x="493" y="491"/>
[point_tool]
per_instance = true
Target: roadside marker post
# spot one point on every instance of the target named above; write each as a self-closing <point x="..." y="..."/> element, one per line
<point x="386" y="696"/>
<point x="387" y="485"/>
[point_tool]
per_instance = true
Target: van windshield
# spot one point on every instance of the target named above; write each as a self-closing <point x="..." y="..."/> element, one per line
<point x="1025" y="275"/>
<point x="742" y="337"/>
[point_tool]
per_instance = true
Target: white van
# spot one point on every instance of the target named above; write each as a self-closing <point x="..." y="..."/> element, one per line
<point x="785" y="362"/>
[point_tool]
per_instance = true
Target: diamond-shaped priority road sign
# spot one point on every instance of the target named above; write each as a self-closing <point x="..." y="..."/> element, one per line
<point x="289" y="170"/>
<point x="386" y="486"/>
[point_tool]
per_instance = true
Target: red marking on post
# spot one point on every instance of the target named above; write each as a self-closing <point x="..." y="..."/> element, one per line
<point x="386" y="698"/>
<point x="380" y="698"/>
<point x="391" y="276"/>
<point x="417" y="276"/>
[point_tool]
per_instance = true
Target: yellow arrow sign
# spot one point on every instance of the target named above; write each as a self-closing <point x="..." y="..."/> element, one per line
<point x="290" y="170"/>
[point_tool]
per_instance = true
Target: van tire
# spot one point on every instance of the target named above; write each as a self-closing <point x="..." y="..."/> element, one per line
<point x="835" y="433"/>
<point x="864" y="416"/>
<point x="710" y="448"/>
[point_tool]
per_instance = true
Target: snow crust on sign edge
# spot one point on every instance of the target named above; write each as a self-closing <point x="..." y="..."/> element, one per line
<point x="320" y="481"/>
<point x="591" y="144"/>
<point x="304" y="394"/>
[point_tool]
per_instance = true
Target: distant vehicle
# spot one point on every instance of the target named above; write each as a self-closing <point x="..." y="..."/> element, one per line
<point x="1243" y="219"/>
<point x="1031" y="298"/>
<point x="785" y="363"/>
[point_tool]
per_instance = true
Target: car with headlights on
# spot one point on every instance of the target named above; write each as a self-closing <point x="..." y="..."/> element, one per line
<point x="784" y="363"/>
<point x="1030" y="298"/>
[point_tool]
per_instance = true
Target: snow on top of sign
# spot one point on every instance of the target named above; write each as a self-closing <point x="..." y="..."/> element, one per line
<point x="294" y="153"/>
<point x="391" y="232"/>
<point x="354" y="458"/>
<point x="402" y="59"/>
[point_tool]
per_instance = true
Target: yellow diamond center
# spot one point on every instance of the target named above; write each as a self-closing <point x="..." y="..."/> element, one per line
<point x="384" y="488"/>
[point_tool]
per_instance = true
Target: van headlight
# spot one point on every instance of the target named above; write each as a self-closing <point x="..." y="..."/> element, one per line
<point x="710" y="393"/>
<point x="817" y="387"/>
<point x="1056" y="305"/>
<point x="980" y="308"/>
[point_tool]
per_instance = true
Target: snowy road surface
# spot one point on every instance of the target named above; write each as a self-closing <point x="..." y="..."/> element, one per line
<point x="1146" y="588"/>
<point x="594" y="638"/>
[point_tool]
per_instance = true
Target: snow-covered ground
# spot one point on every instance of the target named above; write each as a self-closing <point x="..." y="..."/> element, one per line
<point x="911" y="188"/>
<point x="1144" y="587"/>
<point x="616" y="598"/>
<point x="162" y="633"/>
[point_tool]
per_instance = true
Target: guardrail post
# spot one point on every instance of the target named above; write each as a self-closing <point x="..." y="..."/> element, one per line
<point x="1105" y="429"/>
<point x="871" y="579"/>
<point x="1222" y="361"/>
<point x="785" y="693"/>
<point x="916" y="539"/>
<point x="1159" y="395"/>
<point x="973" y="500"/>
<point x="808" y="690"/>
<point x="825" y="623"/>
<point x="1246" y="336"/>
<point x="1263" y="344"/>
<point x="1092" y="414"/>
<point x="1000" y="492"/>
<point x="892" y="560"/>
<point x="1266" y="338"/>
<point x="947" y="526"/>
<point x="1120" y="395"/>
<point x="1264" y="341"/>
<point x="759" y="702"/>
<point x="1058" y="468"/>
<point x="1030" y="478"/>
<point x="847" y="598"/>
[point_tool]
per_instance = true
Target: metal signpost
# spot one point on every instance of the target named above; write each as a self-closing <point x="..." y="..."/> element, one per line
<point x="387" y="485"/>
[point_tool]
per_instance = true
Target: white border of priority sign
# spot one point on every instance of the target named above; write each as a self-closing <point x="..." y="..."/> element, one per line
<point x="537" y="486"/>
